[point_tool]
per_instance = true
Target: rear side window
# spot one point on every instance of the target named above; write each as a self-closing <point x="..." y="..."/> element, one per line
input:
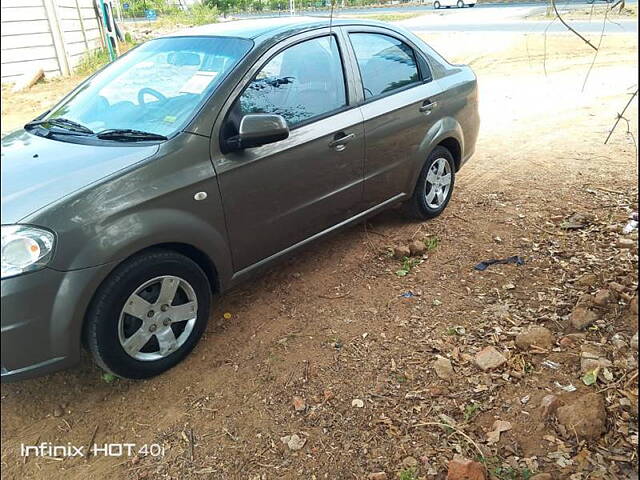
<point x="386" y="63"/>
<point x="300" y="83"/>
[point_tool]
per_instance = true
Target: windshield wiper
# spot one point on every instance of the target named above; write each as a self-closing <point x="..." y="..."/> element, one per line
<point x="61" y="122"/>
<point x="128" y="135"/>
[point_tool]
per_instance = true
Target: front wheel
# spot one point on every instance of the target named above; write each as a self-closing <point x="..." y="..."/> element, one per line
<point x="460" y="4"/>
<point x="148" y="315"/>
<point x="434" y="187"/>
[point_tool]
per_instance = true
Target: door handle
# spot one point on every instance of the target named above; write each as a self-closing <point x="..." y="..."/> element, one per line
<point x="428" y="106"/>
<point x="340" y="140"/>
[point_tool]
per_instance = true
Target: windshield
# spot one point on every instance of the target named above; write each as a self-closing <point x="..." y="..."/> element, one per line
<point x="155" y="88"/>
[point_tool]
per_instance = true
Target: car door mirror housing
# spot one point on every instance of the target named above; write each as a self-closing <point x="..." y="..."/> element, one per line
<point x="258" y="129"/>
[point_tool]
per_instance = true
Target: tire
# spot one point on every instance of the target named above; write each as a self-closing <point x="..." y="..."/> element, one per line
<point x="160" y="287"/>
<point x="472" y="5"/>
<point x="436" y="5"/>
<point x="418" y="206"/>
<point x="460" y="4"/>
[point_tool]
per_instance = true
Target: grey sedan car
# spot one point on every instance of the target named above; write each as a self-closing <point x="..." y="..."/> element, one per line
<point x="194" y="160"/>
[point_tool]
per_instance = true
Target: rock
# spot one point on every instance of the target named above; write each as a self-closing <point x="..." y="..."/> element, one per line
<point x="401" y="252"/>
<point x="585" y="300"/>
<point x="538" y="336"/>
<point x="443" y="368"/>
<point x="582" y="318"/>
<point x="602" y="297"/>
<point x="586" y="417"/>
<point x="549" y="405"/>
<point x="417" y="248"/>
<point x="618" y="341"/>
<point x="499" y="426"/>
<point x="586" y="280"/>
<point x="299" y="404"/>
<point x="294" y="442"/>
<point x="409" y="462"/>
<point x="591" y="358"/>
<point x="542" y="476"/>
<point x="634" y="342"/>
<point x="461" y="468"/>
<point x="617" y="287"/>
<point x="357" y="403"/>
<point x="633" y="305"/>
<point x="377" y="476"/>
<point x="626" y="243"/>
<point x="489" y="358"/>
<point x="28" y="79"/>
<point x="572" y="339"/>
<point x="58" y="411"/>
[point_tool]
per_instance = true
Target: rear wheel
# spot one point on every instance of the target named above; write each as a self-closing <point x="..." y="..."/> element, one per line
<point x="436" y="5"/>
<point x="460" y="4"/>
<point x="148" y="315"/>
<point x="434" y="187"/>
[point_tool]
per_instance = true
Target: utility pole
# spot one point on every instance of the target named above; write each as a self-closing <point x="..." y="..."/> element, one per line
<point x="292" y="7"/>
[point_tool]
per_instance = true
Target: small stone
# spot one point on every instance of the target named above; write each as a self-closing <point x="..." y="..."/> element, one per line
<point x="572" y="339"/>
<point x="58" y="411"/>
<point x="328" y="395"/>
<point x="618" y="287"/>
<point x="417" y="248"/>
<point x="294" y="442"/>
<point x="357" y="403"/>
<point x="377" y="476"/>
<point x="585" y="300"/>
<point x="401" y="251"/>
<point x="634" y="342"/>
<point x="410" y="462"/>
<point x="542" y="476"/>
<point x="633" y="305"/>
<point x="549" y="405"/>
<point x="582" y="318"/>
<point x="618" y="341"/>
<point x="602" y="297"/>
<point x="443" y="368"/>
<point x="535" y="336"/>
<point x="586" y="417"/>
<point x="461" y="468"/>
<point x="489" y="358"/>
<point x="592" y="358"/>
<point x="509" y="286"/>
<point x="626" y="243"/>
<point x="299" y="404"/>
<point x="586" y="280"/>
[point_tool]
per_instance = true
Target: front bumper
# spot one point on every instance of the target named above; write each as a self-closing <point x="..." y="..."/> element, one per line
<point x="42" y="317"/>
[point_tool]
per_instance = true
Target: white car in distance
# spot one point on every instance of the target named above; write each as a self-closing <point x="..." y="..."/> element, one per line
<point x="437" y="4"/>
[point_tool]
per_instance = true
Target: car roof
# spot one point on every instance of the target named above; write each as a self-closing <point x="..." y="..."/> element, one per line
<point x="267" y="27"/>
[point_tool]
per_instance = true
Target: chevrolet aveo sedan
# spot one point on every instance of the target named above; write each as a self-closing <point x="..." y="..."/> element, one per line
<point x="195" y="159"/>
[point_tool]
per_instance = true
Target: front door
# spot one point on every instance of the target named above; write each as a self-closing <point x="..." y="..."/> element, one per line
<point x="278" y="195"/>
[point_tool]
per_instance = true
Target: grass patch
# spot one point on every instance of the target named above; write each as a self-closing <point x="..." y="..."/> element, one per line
<point x="198" y="14"/>
<point x="392" y="17"/>
<point x="94" y="60"/>
<point x="408" y="474"/>
<point x="498" y="471"/>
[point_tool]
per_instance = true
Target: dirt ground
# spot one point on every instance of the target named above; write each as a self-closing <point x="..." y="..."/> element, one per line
<point x="334" y="347"/>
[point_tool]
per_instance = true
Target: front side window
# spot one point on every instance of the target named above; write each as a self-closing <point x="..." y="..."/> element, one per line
<point x="300" y="83"/>
<point x="156" y="87"/>
<point x="386" y="64"/>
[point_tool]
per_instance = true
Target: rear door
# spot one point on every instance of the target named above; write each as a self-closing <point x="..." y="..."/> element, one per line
<point x="278" y="195"/>
<point x="400" y="105"/>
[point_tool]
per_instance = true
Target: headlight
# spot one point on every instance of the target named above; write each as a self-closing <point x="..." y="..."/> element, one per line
<point x="25" y="249"/>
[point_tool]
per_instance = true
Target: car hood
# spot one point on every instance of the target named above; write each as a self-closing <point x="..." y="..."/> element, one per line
<point x="37" y="171"/>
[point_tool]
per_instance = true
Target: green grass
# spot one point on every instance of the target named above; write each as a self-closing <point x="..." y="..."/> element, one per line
<point x="498" y="471"/>
<point x="392" y="17"/>
<point x="471" y="411"/>
<point x="96" y="59"/>
<point x="198" y="14"/>
<point x="408" y="474"/>
<point x="407" y="265"/>
<point x="431" y="243"/>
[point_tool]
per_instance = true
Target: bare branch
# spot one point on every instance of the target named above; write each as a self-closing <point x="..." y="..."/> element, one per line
<point x="569" y="27"/>
<point x="621" y="116"/>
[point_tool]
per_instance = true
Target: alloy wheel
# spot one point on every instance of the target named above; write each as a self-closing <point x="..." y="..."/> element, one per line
<point x="438" y="183"/>
<point x="157" y="318"/>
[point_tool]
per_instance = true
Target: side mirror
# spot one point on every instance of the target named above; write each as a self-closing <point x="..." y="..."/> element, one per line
<point x="258" y="129"/>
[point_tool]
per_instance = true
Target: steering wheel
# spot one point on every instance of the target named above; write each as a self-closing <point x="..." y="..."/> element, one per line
<point x="151" y="91"/>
